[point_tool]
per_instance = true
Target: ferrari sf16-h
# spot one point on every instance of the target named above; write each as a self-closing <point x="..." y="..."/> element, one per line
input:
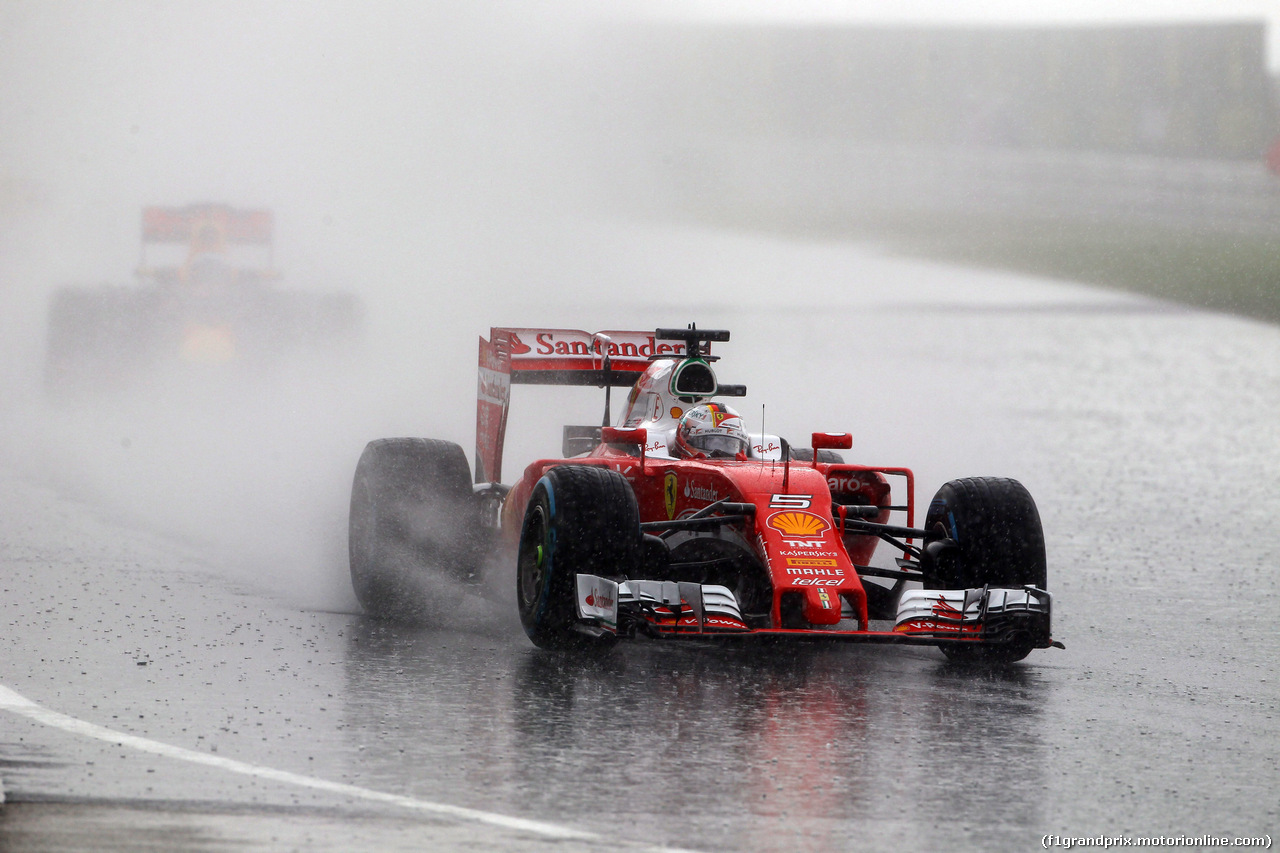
<point x="676" y="522"/>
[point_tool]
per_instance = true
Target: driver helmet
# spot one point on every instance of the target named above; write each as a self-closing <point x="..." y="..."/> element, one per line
<point x="711" y="430"/>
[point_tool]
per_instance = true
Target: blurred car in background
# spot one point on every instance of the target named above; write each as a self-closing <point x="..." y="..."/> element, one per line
<point x="206" y="301"/>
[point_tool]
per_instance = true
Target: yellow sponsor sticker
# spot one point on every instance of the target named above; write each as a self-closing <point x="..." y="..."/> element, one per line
<point x="670" y="490"/>
<point x="798" y="523"/>
<point x="810" y="561"/>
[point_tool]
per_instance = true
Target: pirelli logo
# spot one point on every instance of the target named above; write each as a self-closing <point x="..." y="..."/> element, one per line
<point x="810" y="561"/>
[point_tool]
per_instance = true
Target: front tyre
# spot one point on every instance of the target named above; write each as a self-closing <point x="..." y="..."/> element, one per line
<point x="998" y="542"/>
<point x="580" y="520"/>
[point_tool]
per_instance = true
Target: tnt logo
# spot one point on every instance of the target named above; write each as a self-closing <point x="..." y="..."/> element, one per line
<point x="803" y="543"/>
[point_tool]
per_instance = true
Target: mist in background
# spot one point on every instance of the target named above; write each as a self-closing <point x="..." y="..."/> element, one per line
<point x="457" y="166"/>
<point x="416" y="151"/>
<point x="413" y="155"/>
<point x="394" y="141"/>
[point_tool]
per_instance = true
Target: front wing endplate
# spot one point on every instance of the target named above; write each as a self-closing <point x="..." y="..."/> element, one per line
<point x="668" y="606"/>
<point x="987" y="614"/>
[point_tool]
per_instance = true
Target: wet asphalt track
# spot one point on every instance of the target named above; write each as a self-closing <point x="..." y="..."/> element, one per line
<point x="1146" y="433"/>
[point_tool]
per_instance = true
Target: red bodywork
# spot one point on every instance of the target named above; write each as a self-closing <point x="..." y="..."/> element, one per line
<point x="760" y="544"/>
<point x="795" y="530"/>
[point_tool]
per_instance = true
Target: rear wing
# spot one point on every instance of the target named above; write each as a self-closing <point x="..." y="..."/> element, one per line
<point x="212" y="225"/>
<point x="552" y="357"/>
<point x="205" y="229"/>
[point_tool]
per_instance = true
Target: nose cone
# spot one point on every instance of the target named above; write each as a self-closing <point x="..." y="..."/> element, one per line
<point x="821" y="606"/>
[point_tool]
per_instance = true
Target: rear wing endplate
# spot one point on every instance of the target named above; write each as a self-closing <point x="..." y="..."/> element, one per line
<point x="551" y="357"/>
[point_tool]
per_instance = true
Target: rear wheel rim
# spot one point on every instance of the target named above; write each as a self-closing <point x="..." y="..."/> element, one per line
<point x="532" y="555"/>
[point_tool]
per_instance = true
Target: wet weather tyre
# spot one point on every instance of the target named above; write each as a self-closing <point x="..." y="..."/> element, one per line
<point x="580" y="520"/>
<point x="999" y="542"/>
<point x="414" y="534"/>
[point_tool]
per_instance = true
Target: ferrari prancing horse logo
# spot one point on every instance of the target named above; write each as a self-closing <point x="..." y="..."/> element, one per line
<point x="669" y="493"/>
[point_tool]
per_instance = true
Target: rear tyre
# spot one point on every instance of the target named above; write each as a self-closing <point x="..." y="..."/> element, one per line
<point x="415" y="536"/>
<point x="580" y="520"/>
<point x="999" y="542"/>
<point x="98" y="340"/>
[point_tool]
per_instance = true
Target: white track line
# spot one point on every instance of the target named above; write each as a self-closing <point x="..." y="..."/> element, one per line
<point x="18" y="704"/>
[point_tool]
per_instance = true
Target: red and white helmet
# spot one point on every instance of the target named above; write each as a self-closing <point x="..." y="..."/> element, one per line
<point x="713" y="430"/>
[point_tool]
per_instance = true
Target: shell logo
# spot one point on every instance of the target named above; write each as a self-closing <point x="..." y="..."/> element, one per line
<point x="798" y="523"/>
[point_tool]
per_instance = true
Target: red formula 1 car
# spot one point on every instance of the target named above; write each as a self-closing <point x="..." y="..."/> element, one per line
<point x="678" y="523"/>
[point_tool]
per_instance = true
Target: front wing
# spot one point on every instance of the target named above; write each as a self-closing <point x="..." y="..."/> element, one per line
<point x="988" y="616"/>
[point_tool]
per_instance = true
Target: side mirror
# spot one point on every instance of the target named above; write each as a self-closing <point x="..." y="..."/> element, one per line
<point x="620" y="435"/>
<point x="579" y="439"/>
<point x="832" y="440"/>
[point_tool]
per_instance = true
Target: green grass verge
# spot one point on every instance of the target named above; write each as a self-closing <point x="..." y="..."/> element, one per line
<point x="1222" y="271"/>
<point x="1235" y="273"/>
